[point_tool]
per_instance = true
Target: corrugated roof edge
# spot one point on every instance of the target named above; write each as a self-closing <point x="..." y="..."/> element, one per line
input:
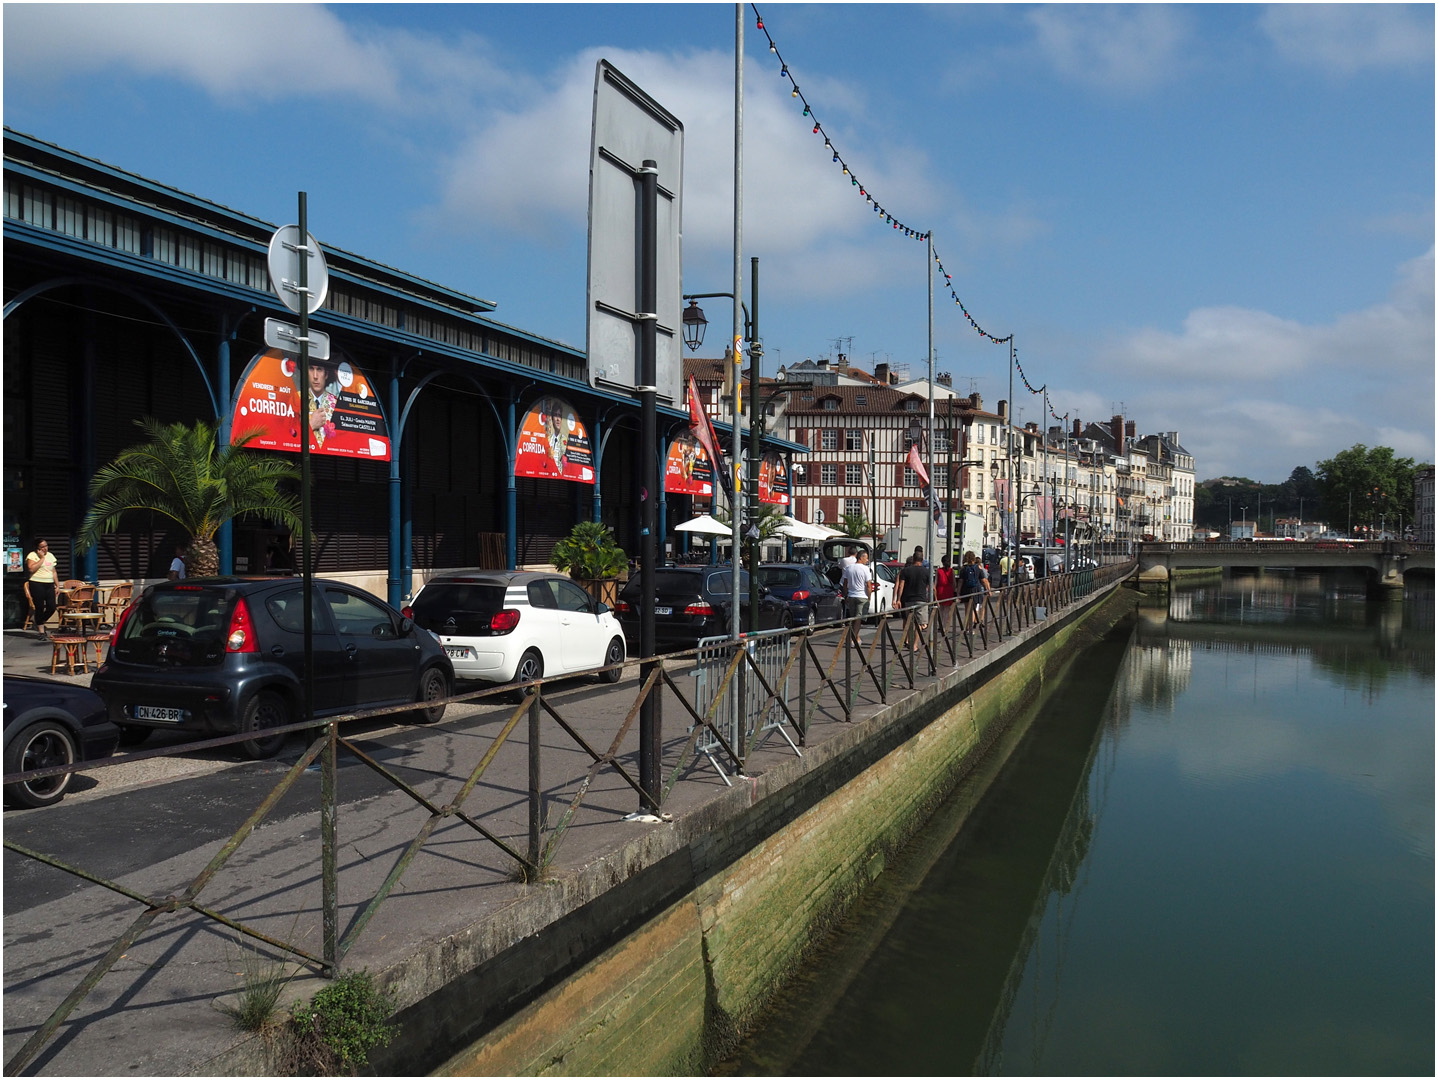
<point x="463" y="300"/>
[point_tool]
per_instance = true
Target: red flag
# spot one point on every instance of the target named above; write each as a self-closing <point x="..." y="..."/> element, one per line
<point x="918" y="466"/>
<point x="704" y="431"/>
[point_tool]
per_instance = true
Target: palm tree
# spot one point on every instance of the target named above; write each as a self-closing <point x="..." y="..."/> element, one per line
<point x="182" y="473"/>
<point x="855" y="525"/>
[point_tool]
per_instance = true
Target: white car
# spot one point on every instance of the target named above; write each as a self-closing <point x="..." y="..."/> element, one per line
<point x="504" y="626"/>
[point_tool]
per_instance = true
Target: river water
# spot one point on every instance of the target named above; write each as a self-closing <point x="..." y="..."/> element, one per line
<point x="1210" y="853"/>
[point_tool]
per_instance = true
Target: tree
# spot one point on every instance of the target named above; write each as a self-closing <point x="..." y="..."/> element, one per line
<point x="1371" y="481"/>
<point x="589" y="551"/>
<point x="856" y="525"/>
<point x="182" y="473"/>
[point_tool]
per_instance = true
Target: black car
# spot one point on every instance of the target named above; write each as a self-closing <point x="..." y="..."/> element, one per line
<point x="692" y="602"/>
<point x="47" y="724"/>
<point x="811" y="598"/>
<point x="226" y="654"/>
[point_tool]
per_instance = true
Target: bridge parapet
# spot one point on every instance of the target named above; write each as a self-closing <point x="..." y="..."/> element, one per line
<point x="1386" y="562"/>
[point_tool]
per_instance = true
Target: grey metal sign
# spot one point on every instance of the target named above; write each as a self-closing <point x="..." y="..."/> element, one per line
<point x="286" y="337"/>
<point x="286" y="251"/>
<point x="631" y="127"/>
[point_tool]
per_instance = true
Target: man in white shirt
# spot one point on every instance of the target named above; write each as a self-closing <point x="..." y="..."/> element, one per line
<point x="855" y="585"/>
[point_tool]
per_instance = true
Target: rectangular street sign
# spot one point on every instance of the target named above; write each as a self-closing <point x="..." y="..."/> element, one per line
<point x="286" y="337"/>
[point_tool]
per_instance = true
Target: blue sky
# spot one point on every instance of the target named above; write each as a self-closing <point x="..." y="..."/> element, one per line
<point x="1217" y="219"/>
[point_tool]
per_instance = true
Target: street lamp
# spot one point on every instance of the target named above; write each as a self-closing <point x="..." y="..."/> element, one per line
<point x="759" y="409"/>
<point x="694" y="324"/>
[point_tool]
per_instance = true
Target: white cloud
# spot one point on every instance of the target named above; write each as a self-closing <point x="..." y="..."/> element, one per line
<point x="1121" y="48"/>
<point x="525" y="171"/>
<point x="1347" y="38"/>
<point x="245" y="53"/>
<point x="1257" y="394"/>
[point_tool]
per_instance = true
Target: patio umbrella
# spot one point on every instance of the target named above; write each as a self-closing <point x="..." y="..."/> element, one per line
<point x="706" y="525"/>
<point x="799" y="530"/>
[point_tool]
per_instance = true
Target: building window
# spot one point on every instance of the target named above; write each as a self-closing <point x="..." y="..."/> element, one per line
<point x="830" y="405"/>
<point x="828" y="439"/>
<point x="829" y="475"/>
<point x="853" y="440"/>
<point x="911" y="478"/>
<point x="861" y="399"/>
<point x="854" y="507"/>
<point x="941" y="442"/>
<point x="911" y="405"/>
<point x="853" y="474"/>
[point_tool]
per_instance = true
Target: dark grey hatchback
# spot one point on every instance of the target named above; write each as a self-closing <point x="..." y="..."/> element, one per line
<point x="225" y="654"/>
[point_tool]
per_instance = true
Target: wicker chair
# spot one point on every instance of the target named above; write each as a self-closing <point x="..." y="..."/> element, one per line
<point x="81" y="598"/>
<point x="118" y="600"/>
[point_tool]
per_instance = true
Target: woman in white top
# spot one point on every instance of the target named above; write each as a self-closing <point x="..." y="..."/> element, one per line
<point x="41" y="584"/>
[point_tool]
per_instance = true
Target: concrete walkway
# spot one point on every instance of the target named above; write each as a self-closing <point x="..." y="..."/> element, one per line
<point x="456" y="904"/>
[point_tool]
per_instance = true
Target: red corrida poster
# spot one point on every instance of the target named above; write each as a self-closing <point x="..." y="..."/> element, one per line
<point x="687" y="469"/>
<point x="554" y="444"/>
<point x="773" y="481"/>
<point x="345" y="417"/>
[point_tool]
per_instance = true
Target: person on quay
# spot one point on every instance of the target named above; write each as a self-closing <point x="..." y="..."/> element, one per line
<point x="855" y="585"/>
<point x="973" y="588"/>
<point x="177" y="564"/>
<point x="1005" y="563"/>
<point x="912" y="592"/>
<point x="944" y="592"/>
<point x="41" y="566"/>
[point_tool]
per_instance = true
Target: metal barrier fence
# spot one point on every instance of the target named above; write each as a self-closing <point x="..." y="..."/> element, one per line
<point x="739" y="693"/>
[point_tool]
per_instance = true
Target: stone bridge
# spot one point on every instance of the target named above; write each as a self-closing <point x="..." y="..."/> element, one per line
<point x="1387" y="563"/>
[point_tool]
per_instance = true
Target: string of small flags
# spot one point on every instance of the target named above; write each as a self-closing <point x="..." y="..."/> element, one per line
<point x="838" y="159"/>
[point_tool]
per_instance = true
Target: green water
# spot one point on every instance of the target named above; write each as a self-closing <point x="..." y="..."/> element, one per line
<point x="1212" y="853"/>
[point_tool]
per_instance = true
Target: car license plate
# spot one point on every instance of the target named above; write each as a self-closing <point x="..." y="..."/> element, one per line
<point x="152" y="712"/>
<point x="459" y="652"/>
<point x="663" y="611"/>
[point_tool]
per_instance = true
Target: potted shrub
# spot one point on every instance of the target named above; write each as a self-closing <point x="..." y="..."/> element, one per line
<point x="592" y="558"/>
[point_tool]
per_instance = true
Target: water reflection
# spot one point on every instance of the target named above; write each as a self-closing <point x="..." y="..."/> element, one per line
<point x="1212" y="853"/>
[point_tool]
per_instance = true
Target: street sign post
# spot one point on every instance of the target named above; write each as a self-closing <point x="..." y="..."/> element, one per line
<point x="286" y="338"/>
<point x="298" y="271"/>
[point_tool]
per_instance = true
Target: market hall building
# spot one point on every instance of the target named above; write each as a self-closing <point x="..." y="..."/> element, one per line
<point x="125" y="298"/>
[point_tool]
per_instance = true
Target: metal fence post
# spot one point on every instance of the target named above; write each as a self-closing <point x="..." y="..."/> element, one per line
<point x="803" y="685"/>
<point x="536" y="808"/>
<point x="329" y="866"/>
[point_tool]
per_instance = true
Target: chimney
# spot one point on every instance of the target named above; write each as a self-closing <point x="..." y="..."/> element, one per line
<point x="1003" y="412"/>
<point x="976" y="402"/>
<point x="1078" y="427"/>
<point x="881" y="374"/>
<point x="1171" y="436"/>
<point x="945" y="379"/>
<point x="1115" y="428"/>
<point x="1131" y="429"/>
<point x="824" y="363"/>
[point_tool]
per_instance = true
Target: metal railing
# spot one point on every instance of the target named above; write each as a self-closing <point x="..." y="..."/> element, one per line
<point x="735" y="695"/>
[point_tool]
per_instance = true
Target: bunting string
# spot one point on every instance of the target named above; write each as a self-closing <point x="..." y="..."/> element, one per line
<point x="885" y="215"/>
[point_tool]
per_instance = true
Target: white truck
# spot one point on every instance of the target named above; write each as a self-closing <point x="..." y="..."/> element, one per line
<point x="912" y="533"/>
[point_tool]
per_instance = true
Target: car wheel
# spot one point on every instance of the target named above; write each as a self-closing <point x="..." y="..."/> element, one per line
<point x="813" y="619"/>
<point x="40" y="746"/>
<point x="265" y="710"/>
<point x="613" y="655"/>
<point x="133" y="736"/>
<point x="531" y="666"/>
<point x="786" y="620"/>
<point x="432" y="687"/>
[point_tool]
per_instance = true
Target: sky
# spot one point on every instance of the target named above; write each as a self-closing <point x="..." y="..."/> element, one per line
<point x="1213" y="219"/>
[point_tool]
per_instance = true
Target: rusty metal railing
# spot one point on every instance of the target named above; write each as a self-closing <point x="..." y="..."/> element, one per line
<point x="838" y="668"/>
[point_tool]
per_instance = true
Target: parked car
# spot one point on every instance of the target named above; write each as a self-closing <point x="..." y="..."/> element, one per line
<point x="225" y="654"/>
<point x="49" y="723"/>
<point x="692" y="602"/>
<point x="503" y="626"/>
<point x="811" y="598"/>
<point x="886" y="576"/>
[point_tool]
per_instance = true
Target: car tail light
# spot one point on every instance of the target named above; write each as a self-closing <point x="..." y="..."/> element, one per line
<point x="502" y="622"/>
<point x="407" y="612"/>
<point x="624" y="608"/>
<point x="241" y="638"/>
<point x="800" y="594"/>
<point x="120" y="625"/>
<point x="700" y="608"/>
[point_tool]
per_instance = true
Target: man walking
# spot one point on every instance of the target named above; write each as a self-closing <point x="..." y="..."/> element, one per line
<point x="855" y="585"/>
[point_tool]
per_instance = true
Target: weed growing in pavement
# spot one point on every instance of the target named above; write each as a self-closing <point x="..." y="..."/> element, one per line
<point x="336" y="1029"/>
<point x="262" y="981"/>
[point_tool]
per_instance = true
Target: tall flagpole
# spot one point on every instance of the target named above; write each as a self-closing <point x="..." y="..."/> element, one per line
<point x="735" y="340"/>
<point x="933" y="478"/>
